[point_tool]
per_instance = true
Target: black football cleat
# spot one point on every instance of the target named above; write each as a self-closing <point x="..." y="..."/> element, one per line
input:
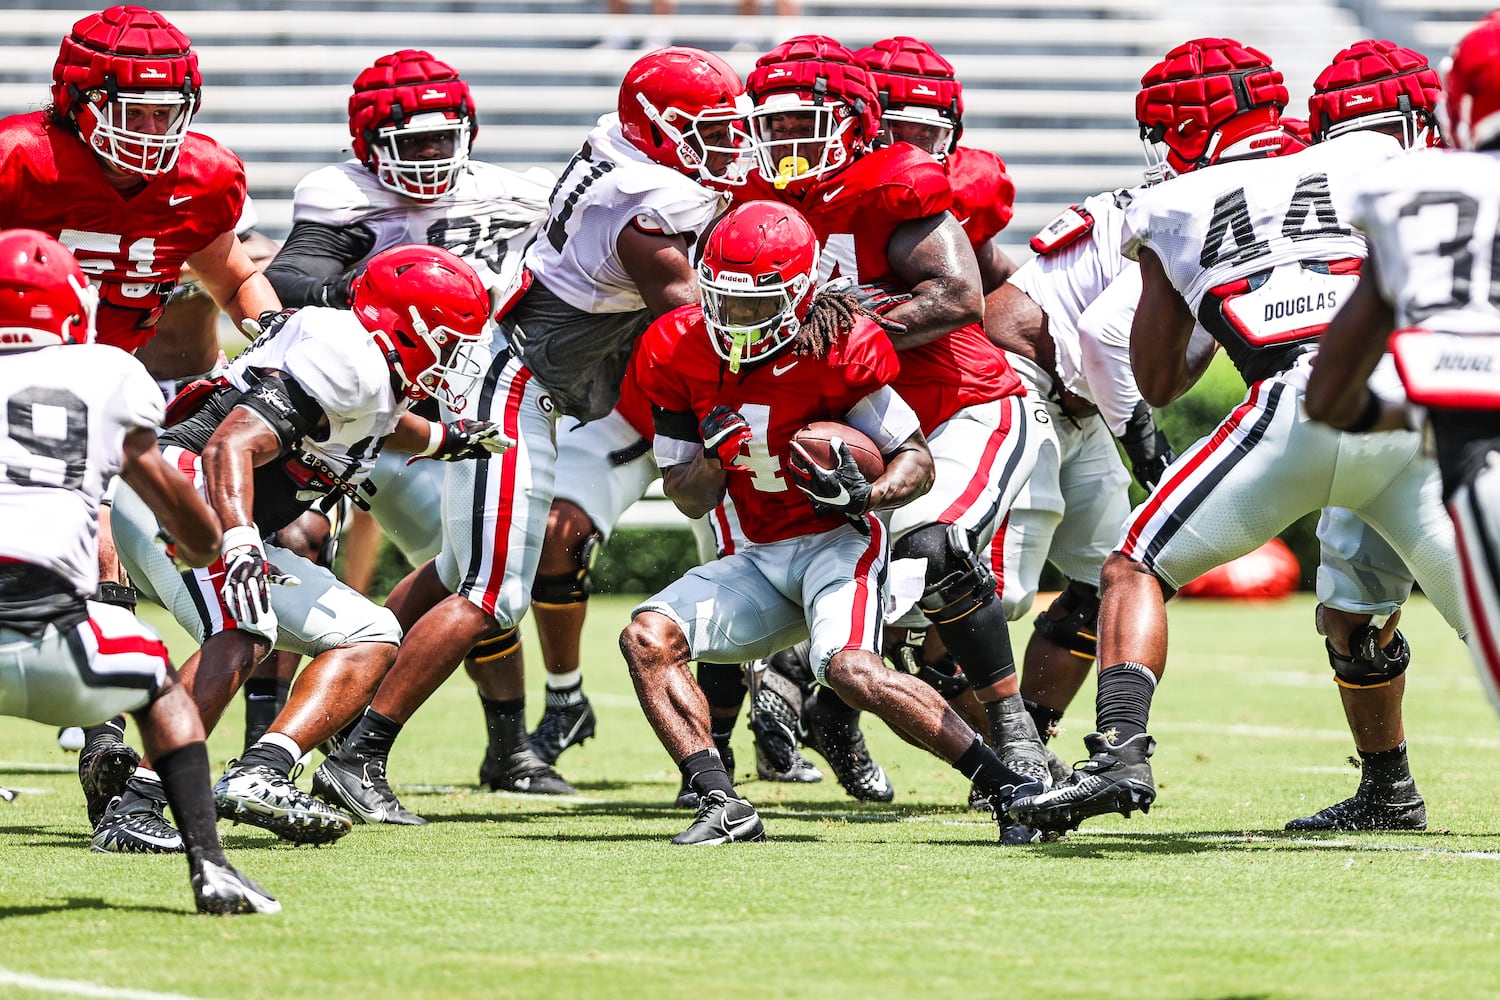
<point x="264" y="797"/>
<point x="562" y="726"/>
<point x="522" y="771"/>
<point x="359" y="786"/>
<point x="722" y="819"/>
<point x="137" y="827"/>
<point x="842" y="744"/>
<point x="1115" y="779"/>
<point x="1384" y="806"/>
<point x="222" y="891"/>
<point x="103" y="768"/>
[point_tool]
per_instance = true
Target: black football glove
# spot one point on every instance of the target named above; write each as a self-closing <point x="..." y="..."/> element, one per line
<point x="267" y="324"/>
<point x="1147" y="447"/>
<point x="724" y="431"/>
<point x="879" y="298"/>
<point x="842" y="489"/>
<point x="465" y="440"/>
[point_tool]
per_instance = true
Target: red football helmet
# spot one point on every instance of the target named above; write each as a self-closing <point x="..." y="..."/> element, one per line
<point x="918" y="91"/>
<point x="757" y="274"/>
<point x="1296" y="136"/>
<point x="420" y="304"/>
<point x="45" y="298"/>
<point x="685" y="108"/>
<point x="1376" y="83"/>
<point x="815" y="109"/>
<point x="1210" y="99"/>
<point x="130" y="81"/>
<point x="413" y="123"/>
<point x="1471" y="87"/>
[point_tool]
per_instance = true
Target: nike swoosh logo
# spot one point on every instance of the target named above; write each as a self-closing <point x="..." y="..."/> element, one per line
<point x="839" y="499"/>
<point x="783" y="369"/>
<point x="834" y="193"/>
<point x="175" y="200"/>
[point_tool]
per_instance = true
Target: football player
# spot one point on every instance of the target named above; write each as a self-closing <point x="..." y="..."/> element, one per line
<point x="111" y="170"/>
<point x="883" y="218"/>
<point x="614" y="251"/>
<point x="730" y="383"/>
<point x="1426" y="216"/>
<point x="298" y="419"/>
<point x="75" y="417"/>
<point x="412" y="180"/>
<point x="1264" y="264"/>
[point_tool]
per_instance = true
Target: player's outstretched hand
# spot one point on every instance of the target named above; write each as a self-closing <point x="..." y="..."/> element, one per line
<point x="465" y="440"/>
<point x="724" y="431"/>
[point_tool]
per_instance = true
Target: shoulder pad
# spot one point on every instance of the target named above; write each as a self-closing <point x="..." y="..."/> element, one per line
<point x="1070" y="224"/>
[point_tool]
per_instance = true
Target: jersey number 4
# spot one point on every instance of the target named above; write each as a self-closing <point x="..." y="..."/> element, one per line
<point x="52" y="427"/>
<point x="1232" y="238"/>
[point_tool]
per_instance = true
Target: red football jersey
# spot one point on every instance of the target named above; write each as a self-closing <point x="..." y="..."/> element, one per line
<point x="984" y="197"/>
<point x="635" y="407"/>
<point x="133" y="247"/>
<point x="854" y="212"/>
<point x="677" y="369"/>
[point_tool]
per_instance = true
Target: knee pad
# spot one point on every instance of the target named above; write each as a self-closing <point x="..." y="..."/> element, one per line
<point x="1368" y="665"/>
<point x="958" y="584"/>
<point x="487" y="651"/>
<point x="1077" y="630"/>
<point x="563" y="589"/>
<point x="944" y="677"/>
<point x="121" y="595"/>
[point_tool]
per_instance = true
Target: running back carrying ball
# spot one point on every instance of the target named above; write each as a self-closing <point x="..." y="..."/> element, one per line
<point x="816" y="441"/>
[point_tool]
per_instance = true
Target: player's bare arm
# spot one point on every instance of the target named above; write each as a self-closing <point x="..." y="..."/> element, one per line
<point x="995" y="266"/>
<point x="934" y="258"/>
<point x="231" y="277"/>
<point x="660" y="266"/>
<point x="696" y="487"/>
<point x="908" y="474"/>
<point x="179" y="509"/>
<point x="241" y="443"/>
<point x="1160" y="335"/>
<point x="1337" y="390"/>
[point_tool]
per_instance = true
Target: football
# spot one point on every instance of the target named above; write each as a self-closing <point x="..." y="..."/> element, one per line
<point x="816" y="439"/>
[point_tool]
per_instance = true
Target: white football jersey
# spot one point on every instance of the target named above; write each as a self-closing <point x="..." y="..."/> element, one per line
<point x="333" y="358"/>
<point x="610" y="184"/>
<point x="1433" y="220"/>
<point x="1089" y="291"/>
<point x="488" y="217"/>
<point x="1260" y="234"/>
<point x="66" y="411"/>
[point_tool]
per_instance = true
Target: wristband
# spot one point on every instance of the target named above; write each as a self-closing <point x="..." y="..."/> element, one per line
<point x="240" y="535"/>
<point x="435" y="435"/>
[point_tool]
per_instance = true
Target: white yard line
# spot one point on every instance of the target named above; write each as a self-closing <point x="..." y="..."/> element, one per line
<point x="73" y="987"/>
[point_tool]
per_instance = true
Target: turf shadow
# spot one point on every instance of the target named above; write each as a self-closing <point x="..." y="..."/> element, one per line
<point x="58" y="838"/>
<point x="81" y="903"/>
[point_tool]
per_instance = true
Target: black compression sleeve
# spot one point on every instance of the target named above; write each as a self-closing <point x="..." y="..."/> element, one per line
<point x="317" y="262"/>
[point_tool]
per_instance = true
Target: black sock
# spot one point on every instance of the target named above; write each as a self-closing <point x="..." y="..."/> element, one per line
<point x="137" y="788"/>
<point x="565" y="697"/>
<point x="982" y="767"/>
<point x="1385" y="767"/>
<point x="830" y="702"/>
<point x="505" y="722"/>
<point x="110" y="729"/>
<point x="1122" y="707"/>
<point x="186" y="782"/>
<point x="723" y="684"/>
<point x="704" y="770"/>
<point x="264" y="754"/>
<point x="1046" y="719"/>
<point x="260" y="708"/>
<point x="373" y="736"/>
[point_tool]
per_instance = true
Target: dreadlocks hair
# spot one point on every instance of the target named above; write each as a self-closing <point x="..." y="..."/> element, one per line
<point x="833" y="314"/>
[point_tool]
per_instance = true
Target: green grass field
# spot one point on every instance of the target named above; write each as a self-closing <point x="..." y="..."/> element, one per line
<point x="505" y="895"/>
